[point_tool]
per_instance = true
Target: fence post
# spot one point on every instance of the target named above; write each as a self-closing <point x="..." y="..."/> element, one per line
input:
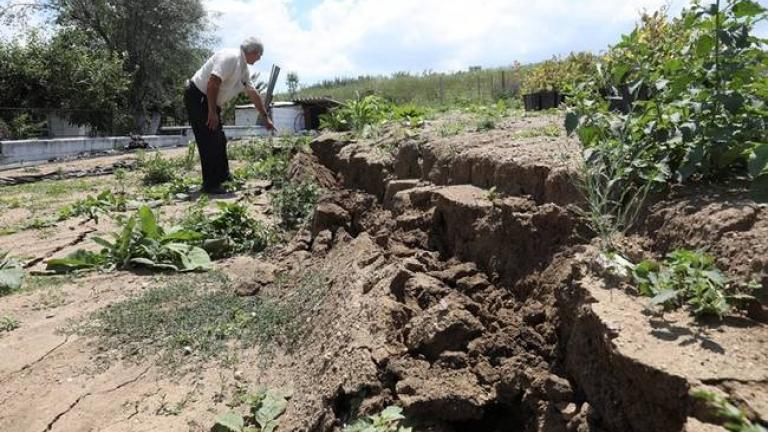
<point x="503" y="82"/>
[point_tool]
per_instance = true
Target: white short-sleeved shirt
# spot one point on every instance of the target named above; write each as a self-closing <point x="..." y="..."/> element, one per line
<point x="229" y="65"/>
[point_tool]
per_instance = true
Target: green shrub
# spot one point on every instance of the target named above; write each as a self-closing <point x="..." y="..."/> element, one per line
<point x="357" y="115"/>
<point x="229" y="231"/>
<point x="157" y="170"/>
<point x="559" y="74"/>
<point x="294" y="202"/>
<point x="690" y="277"/>
<point x="700" y="92"/>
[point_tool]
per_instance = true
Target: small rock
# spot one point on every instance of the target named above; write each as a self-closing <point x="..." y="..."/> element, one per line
<point x="454" y="273"/>
<point x="441" y="329"/>
<point x="329" y="216"/>
<point x="425" y="290"/>
<point x="472" y="284"/>
<point x="535" y="314"/>
<point x="397" y="286"/>
<point x="323" y="242"/>
<point x="557" y="389"/>
<point x="453" y="360"/>
<point x="568" y="410"/>
<point x="259" y="275"/>
<point x="413" y="264"/>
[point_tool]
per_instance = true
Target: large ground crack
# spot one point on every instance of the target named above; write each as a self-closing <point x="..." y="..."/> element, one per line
<point x="30" y="365"/>
<point x="79" y="239"/>
<point x="58" y="417"/>
<point x="65" y="412"/>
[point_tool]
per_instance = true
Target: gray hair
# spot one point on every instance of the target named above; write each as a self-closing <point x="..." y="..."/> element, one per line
<point x="252" y="45"/>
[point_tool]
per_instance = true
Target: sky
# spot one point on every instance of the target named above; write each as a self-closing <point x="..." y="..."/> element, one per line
<point x="323" y="39"/>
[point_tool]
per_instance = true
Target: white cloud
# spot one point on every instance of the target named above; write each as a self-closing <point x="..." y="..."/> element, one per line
<point x="352" y="37"/>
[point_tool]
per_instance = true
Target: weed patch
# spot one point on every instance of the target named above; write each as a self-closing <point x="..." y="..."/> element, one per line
<point x="197" y="316"/>
<point x="229" y="231"/>
<point x="93" y="206"/>
<point x="8" y="324"/>
<point x="294" y="202"/>
<point x="157" y="170"/>
<point x="691" y="277"/>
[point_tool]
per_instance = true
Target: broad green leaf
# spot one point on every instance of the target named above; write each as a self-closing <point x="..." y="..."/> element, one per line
<point x="704" y="45"/>
<point x="143" y="261"/>
<point x="78" y="260"/>
<point x="199" y="259"/>
<point x="182" y="235"/>
<point x="392" y="414"/>
<point x="665" y="296"/>
<point x="229" y="422"/>
<point x="270" y="426"/>
<point x="149" y="223"/>
<point x="101" y="242"/>
<point x="571" y="122"/>
<point x="758" y="160"/>
<point x="274" y="404"/>
<point x="11" y="279"/>
<point x="691" y="163"/>
<point x="747" y="8"/>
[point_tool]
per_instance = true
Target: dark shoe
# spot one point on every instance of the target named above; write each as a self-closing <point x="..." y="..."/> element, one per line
<point x="218" y="190"/>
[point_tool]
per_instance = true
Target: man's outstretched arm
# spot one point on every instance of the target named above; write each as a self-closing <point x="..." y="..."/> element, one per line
<point x="257" y="102"/>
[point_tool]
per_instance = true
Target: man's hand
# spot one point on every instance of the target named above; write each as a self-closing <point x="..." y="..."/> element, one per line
<point x="269" y="125"/>
<point x="213" y="120"/>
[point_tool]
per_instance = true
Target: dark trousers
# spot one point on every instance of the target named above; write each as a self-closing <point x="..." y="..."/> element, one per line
<point x="211" y="144"/>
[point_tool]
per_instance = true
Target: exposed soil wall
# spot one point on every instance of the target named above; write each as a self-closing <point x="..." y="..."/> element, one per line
<point x="491" y="314"/>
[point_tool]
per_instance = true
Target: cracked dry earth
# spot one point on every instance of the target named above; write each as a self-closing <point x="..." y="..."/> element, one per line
<point x="474" y="311"/>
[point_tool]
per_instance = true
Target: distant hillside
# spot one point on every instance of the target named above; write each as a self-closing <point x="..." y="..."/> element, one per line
<point x="477" y="85"/>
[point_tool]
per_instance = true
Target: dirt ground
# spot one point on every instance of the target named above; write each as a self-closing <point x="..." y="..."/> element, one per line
<point x="443" y="271"/>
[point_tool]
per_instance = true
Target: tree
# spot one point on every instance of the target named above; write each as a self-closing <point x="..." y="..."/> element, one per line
<point x="67" y="74"/>
<point x="292" y="81"/>
<point x="162" y="43"/>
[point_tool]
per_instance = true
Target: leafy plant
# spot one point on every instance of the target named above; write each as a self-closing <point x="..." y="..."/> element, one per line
<point x="93" y="206"/>
<point x="11" y="274"/>
<point x="733" y="418"/>
<point x="561" y="74"/>
<point x="698" y="91"/>
<point x="229" y="231"/>
<point x="294" y="202"/>
<point x="690" y="277"/>
<point x="265" y="407"/>
<point x="141" y="242"/>
<point x="386" y="421"/>
<point x="8" y="324"/>
<point x="157" y="170"/>
<point x="357" y="115"/>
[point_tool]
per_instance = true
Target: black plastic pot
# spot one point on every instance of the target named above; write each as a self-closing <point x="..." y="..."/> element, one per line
<point x="549" y="100"/>
<point x="532" y="102"/>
